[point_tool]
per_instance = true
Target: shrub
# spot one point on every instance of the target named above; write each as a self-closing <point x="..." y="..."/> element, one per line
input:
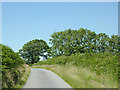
<point x="11" y="61"/>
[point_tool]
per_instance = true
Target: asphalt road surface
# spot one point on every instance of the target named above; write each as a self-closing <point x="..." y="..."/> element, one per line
<point x="41" y="78"/>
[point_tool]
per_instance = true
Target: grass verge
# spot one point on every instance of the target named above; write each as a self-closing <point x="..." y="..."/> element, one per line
<point x="81" y="77"/>
<point x="24" y="77"/>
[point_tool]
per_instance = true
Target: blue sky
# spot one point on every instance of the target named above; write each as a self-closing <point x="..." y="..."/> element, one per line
<point x="22" y="22"/>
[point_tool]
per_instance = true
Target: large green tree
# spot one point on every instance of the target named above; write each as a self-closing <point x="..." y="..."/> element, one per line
<point x="69" y="42"/>
<point x="72" y="41"/>
<point x="32" y="50"/>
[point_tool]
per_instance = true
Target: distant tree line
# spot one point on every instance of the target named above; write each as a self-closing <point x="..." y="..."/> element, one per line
<point x="69" y="42"/>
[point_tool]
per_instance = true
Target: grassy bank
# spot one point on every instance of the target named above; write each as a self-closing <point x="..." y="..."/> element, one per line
<point x="81" y="77"/>
<point x="24" y="77"/>
<point x="14" y="69"/>
<point x="101" y="63"/>
<point x="15" y="78"/>
<point x="88" y="70"/>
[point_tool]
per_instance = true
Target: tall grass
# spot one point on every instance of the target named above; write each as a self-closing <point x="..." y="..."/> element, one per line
<point x="24" y="77"/>
<point x="15" y="78"/>
<point x="105" y="63"/>
<point x="100" y="69"/>
<point x="81" y="77"/>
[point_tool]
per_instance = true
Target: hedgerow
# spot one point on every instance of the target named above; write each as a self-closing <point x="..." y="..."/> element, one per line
<point x="12" y="67"/>
<point x="101" y="63"/>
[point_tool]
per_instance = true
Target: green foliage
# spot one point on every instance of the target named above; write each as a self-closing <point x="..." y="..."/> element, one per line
<point x="99" y="52"/>
<point x="0" y="66"/>
<point x="32" y="50"/>
<point x="10" y="59"/>
<point x="81" y="77"/>
<point x="82" y="41"/>
<point x="106" y="63"/>
<point x="10" y="62"/>
<point x="11" y="78"/>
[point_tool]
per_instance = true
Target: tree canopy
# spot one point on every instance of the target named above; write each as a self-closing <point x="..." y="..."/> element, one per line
<point x="69" y="42"/>
<point x="32" y="50"/>
<point x="81" y="41"/>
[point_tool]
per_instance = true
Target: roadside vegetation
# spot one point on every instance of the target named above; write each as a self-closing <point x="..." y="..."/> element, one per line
<point x="81" y="57"/>
<point x="99" y="63"/>
<point x="85" y="70"/>
<point x="14" y="70"/>
<point x="81" y="77"/>
<point x="85" y="50"/>
<point x="25" y="75"/>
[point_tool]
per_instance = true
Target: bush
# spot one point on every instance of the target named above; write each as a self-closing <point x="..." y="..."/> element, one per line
<point x="11" y="61"/>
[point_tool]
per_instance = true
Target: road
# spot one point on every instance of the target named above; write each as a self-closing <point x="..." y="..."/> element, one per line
<point x="41" y="78"/>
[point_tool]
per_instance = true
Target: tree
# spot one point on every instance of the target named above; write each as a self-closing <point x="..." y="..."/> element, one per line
<point x="32" y="50"/>
<point x="72" y="41"/>
<point x="113" y="44"/>
<point x="69" y="42"/>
